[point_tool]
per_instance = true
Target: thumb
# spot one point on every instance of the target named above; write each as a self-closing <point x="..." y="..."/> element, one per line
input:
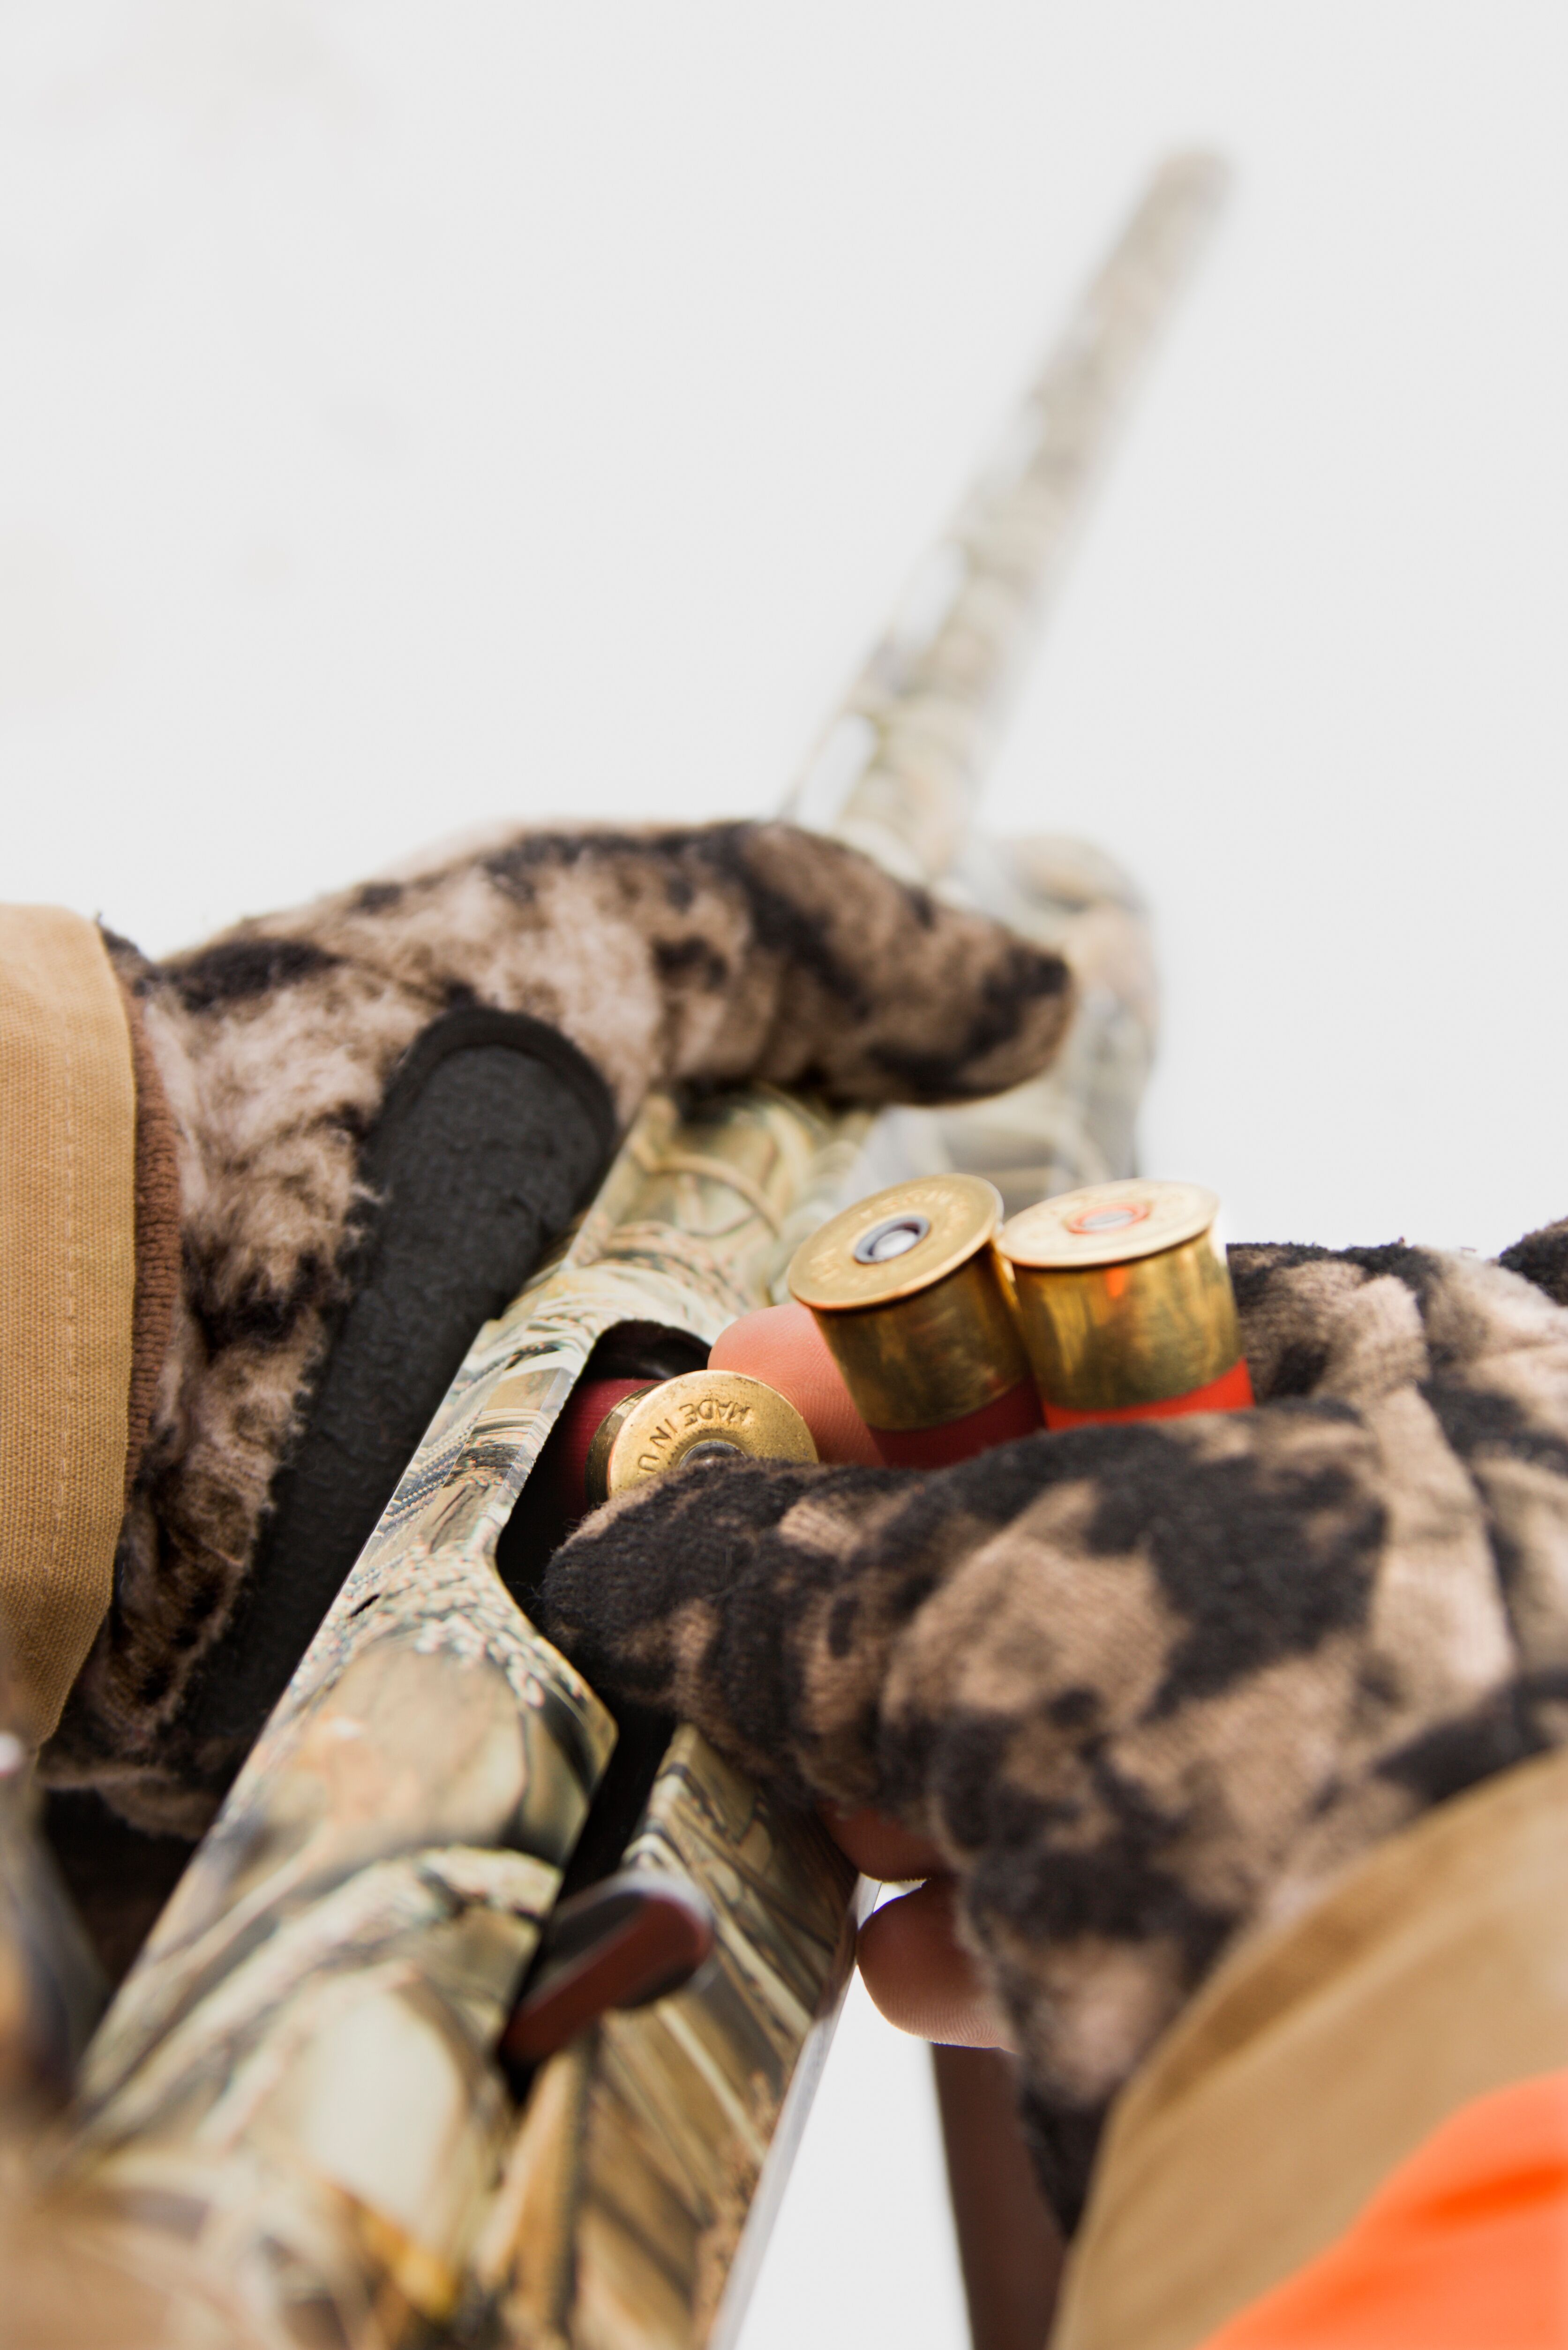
<point x="738" y="1595"/>
<point x="851" y="982"/>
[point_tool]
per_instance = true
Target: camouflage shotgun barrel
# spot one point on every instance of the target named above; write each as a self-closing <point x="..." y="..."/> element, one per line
<point x="297" y="2087"/>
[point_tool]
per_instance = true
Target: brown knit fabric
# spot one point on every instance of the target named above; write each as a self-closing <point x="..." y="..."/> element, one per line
<point x="701" y="956"/>
<point x="1150" y="1687"/>
<point x="157" y="1238"/>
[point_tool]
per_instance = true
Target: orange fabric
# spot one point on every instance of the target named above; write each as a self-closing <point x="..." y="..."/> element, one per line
<point x="1319" y="2058"/>
<point x="1465" y="2247"/>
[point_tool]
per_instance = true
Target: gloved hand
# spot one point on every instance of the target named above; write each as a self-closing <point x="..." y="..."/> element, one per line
<point x="1140" y="1689"/>
<point x="358" y="1126"/>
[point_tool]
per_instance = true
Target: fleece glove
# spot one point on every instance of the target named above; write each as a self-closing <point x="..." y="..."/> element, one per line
<point x="365" y="1120"/>
<point x="1147" y="1687"/>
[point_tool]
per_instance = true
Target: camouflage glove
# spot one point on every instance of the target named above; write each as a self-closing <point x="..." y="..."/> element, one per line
<point x="366" y="1120"/>
<point x="1145" y="1687"/>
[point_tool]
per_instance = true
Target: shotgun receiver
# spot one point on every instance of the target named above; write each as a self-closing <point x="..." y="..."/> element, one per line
<point x="297" y="2087"/>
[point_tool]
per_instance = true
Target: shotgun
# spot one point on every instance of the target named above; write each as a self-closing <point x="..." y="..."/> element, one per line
<point x="296" y="2089"/>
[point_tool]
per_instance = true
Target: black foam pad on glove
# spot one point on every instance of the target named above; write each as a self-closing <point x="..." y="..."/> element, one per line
<point x="495" y="1129"/>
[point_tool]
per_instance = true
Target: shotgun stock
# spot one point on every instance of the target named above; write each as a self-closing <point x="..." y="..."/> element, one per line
<point x="298" y="2083"/>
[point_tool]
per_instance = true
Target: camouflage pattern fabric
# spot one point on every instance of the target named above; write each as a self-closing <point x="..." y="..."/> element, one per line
<point x="1148" y="1687"/>
<point x="695" y="956"/>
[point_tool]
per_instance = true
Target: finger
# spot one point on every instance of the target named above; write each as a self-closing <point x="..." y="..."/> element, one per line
<point x="880" y="1847"/>
<point x="878" y="991"/>
<point x="782" y="1345"/>
<point x="920" y="1978"/>
<point x="705" y="1595"/>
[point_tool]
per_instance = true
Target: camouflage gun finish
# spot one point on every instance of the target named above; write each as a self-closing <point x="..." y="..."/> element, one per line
<point x="633" y="2182"/>
<point x="296" y="2082"/>
<point x="297" y="2073"/>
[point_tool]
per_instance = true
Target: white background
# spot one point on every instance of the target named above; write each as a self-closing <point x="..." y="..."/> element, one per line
<point x="411" y="415"/>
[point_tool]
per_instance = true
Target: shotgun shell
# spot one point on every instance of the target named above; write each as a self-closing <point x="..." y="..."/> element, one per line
<point x="702" y="1414"/>
<point x="1124" y="1299"/>
<point x="907" y="1291"/>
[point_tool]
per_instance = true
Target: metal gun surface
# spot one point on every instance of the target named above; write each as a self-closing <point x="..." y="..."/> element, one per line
<point x="297" y="2084"/>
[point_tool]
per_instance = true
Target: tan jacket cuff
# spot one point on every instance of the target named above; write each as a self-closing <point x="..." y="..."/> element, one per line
<point x="1319" y="2057"/>
<point x="67" y="1282"/>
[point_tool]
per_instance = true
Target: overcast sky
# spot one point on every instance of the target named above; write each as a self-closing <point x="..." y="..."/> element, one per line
<point x="412" y="416"/>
